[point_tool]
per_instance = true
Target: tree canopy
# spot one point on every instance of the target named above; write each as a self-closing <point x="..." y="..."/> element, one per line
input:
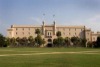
<point x="37" y="31"/>
<point x="2" y="40"/>
<point x="58" y="34"/>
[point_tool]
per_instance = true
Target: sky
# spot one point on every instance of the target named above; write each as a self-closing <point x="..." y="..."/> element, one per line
<point x="67" y="12"/>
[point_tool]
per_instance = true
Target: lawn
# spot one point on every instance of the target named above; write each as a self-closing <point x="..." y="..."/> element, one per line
<point x="49" y="57"/>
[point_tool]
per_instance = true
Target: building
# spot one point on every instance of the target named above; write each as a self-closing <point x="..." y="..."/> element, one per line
<point x="49" y="31"/>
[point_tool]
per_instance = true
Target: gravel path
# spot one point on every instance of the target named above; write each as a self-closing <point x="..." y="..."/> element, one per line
<point x="45" y="53"/>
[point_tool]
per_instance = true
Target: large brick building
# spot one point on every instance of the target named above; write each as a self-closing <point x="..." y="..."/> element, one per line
<point x="49" y="31"/>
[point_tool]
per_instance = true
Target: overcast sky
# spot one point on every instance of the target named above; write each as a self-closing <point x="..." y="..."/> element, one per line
<point x="67" y="12"/>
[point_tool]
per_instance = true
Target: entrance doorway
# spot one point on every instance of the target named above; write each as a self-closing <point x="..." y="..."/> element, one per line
<point x="49" y="43"/>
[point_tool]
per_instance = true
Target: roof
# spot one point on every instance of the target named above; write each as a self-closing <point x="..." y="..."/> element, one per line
<point x="70" y="26"/>
<point x="23" y="26"/>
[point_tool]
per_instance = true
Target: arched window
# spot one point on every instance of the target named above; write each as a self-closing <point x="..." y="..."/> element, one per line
<point x="48" y="33"/>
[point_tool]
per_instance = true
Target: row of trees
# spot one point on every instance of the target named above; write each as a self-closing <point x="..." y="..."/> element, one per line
<point x="94" y="44"/>
<point x="22" y="42"/>
<point x="75" y="41"/>
<point x="67" y="42"/>
<point x="38" y="41"/>
<point x="25" y="42"/>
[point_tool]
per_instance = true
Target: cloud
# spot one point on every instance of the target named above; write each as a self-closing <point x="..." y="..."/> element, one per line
<point x="92" y="22"/>
<point x="95" y="18"/>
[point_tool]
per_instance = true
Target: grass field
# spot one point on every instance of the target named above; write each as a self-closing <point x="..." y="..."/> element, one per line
<point x="49" y="57"/>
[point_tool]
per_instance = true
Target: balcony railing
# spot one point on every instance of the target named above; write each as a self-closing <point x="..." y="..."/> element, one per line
<point x="48" y="36"/>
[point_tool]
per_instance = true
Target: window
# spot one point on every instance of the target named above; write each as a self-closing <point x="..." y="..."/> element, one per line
<point x="58" y="29"/>
<point x="93" y="38"/>
<point x="81" y="29"/>
<point x="69" y="33"/>
<point x="23" y="33"/>
<point x="64" y="29"/>
<point x="75" y="33"/>
<point x="29" y="33"/>
<point x="63" y="33"/>
<point x="16" y="33"/>
<point x="29" y="28"/>
<point x="88" y="33"/>
<point x="16" y="29"/>
<point x="69" y="29"/>
<point x="75" y="29"/>
<point x="10" y="33"/>
<point x="23" y="28"/>
<point x="48" y="33"/>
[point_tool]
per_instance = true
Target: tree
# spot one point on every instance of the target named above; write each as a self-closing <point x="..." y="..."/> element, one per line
<point x="7" y="42"/>
<point x="38" y="40"/>
<point x="37" y="31"/>
<point x="98" y="41"/>
<point x="43" y="42"/>
<point x="67" y="41"/>
<point x="83" y="42"/>
<point x="60" y="41"/>
<point x="89" y="44"/>
<point x="2" y="40"/>
<point x="24" y="41"/>
<point x="31" y="41"/>
<point x="58" y="34"/>
<point x="55" y="42"/>
<point x="18" y="41"/>
<point x="75" y="41"/>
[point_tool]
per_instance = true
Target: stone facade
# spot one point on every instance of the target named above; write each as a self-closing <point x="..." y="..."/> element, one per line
<point x="49" y="31"/>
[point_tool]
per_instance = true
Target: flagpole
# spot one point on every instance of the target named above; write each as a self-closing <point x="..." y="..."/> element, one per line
<point x="43" y="16"/>
<point x="53" y="17"/>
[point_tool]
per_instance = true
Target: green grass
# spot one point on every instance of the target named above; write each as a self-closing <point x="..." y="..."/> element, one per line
<point x="86" y="58"/>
